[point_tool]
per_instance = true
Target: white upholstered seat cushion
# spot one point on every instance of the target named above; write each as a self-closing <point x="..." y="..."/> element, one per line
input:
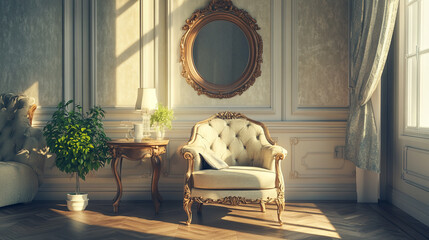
<point x="18" y="183"/>
<point x="234" y="177"/>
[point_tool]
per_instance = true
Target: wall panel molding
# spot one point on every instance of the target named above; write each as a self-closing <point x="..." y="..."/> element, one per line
<point x="43" y="113"/>
<point x="68" y="73"/>
<point x="270" y="112"/>
<point x="313" y="157"/>
<point x="415" y="167"/>
<point x="146" y="43"/>
<point x="280" y="127"/>
<point x="293" y="109"/>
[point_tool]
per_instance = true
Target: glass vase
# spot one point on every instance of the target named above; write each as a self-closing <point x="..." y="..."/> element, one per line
<point x="160" y="133"/>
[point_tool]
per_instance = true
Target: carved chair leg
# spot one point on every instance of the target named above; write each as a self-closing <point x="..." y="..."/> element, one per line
<point x="187" y="204"/>
<point x="200" y="208"/>
<point x="262" y="206"/>
<point x="280" y="207"/>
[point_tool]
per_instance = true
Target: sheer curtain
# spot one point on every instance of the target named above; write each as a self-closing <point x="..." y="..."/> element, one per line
<point x="372" y="24"/>
<point x="371" y="29"/>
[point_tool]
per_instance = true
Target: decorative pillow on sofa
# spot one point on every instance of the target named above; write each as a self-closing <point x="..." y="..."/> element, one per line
<point x="213" y="161"/>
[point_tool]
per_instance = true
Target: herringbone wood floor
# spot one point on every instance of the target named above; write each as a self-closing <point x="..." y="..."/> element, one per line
<point x="137" y="220"/>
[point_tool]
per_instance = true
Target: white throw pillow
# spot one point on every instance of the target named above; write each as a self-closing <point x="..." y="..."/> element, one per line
<point x="213" y="161"/>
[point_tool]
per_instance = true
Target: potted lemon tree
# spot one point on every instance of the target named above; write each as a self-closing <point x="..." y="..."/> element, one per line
<point x="161" y="119"/>
<point x="79" y="143"/>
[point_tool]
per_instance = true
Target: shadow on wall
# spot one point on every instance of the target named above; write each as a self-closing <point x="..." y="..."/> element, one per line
<point x="31" y="49"/>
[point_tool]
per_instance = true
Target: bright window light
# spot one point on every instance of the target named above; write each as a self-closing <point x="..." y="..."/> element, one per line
<point x="417" y="67"/>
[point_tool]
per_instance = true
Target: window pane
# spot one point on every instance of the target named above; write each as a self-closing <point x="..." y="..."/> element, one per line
<point x="412" y="92"/>
<point x="424" y="90"/>
<point x="424" y="25"/>
<point x="412" y="28"/>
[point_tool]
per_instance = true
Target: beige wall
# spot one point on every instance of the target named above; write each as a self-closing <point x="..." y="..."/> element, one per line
<point x="322" y="53"/>
<point x="303" y="84"/>
<point x="31" y="49"/>
<point x="118" y="71"/>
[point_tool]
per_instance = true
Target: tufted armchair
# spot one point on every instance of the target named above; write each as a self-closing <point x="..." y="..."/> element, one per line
<point x="22" y="150"/>
<point x="253" y="172"/>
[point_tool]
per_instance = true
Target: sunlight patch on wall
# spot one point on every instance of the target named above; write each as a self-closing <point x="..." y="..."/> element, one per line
<point x="127" y="53"/>
<point x="33" y="91"/>
<point x="117" y="57"/>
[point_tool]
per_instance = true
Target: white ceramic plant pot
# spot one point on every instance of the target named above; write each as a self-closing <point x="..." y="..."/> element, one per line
<point x="77" y="202"/>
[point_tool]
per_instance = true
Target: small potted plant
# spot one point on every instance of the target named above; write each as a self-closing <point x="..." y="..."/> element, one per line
<point x="79" y="143"/>
<point x="161" y="118"/>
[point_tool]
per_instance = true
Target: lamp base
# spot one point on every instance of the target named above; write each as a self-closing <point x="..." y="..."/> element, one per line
<point x="146" y="125"/>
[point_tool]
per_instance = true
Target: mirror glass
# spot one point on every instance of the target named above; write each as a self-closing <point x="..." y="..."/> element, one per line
<point x="221" y="52"/>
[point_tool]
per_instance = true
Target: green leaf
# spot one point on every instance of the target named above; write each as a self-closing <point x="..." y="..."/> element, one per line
<point x="77" y="138"/>
<point x="162" y="117"/>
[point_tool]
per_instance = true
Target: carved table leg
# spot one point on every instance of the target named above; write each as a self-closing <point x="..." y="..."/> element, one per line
<point x="114" y="165"/>
<point x="156" y="167"/>
<point x="159" y="173"/>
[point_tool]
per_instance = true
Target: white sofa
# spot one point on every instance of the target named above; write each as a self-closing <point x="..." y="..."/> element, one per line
<point x="253" y="174"/>
<point x="22" y="150"/>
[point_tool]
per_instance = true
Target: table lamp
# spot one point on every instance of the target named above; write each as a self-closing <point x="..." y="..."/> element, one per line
<point x="146" y="102"/>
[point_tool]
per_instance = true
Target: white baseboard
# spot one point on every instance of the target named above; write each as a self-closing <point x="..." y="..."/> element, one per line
<point x="134" y="189"/>
<point x="317" y="193"/>
<point x="108" y="195"/>
<point x="178" y="195"/>
<point x="412" y="206"/>
<point x="320" y="196"/>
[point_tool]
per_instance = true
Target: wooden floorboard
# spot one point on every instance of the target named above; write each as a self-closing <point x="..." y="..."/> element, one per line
<point x="399" y="218"/>
<point x="137" y="220"/>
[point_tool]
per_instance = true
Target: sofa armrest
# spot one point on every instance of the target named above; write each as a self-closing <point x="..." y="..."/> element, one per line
<point x="192" y="152"/>
<point x="33" y="152"/>
<point x="271" y="153"/>
<point x="272" y="156"/>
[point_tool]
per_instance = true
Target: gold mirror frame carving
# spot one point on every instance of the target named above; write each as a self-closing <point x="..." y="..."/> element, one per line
<point x="221" y="10"/>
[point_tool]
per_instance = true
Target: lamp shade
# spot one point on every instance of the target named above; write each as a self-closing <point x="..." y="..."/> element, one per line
<point x="146" y="99"/>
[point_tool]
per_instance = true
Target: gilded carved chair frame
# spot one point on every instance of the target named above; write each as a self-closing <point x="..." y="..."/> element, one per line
<point x="188" y="200"/>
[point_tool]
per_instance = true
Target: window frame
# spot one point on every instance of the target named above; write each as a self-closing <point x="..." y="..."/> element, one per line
<point x="417" y="131"/>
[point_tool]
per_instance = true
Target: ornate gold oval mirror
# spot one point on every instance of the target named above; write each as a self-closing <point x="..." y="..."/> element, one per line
<point x="221" y="52"/>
